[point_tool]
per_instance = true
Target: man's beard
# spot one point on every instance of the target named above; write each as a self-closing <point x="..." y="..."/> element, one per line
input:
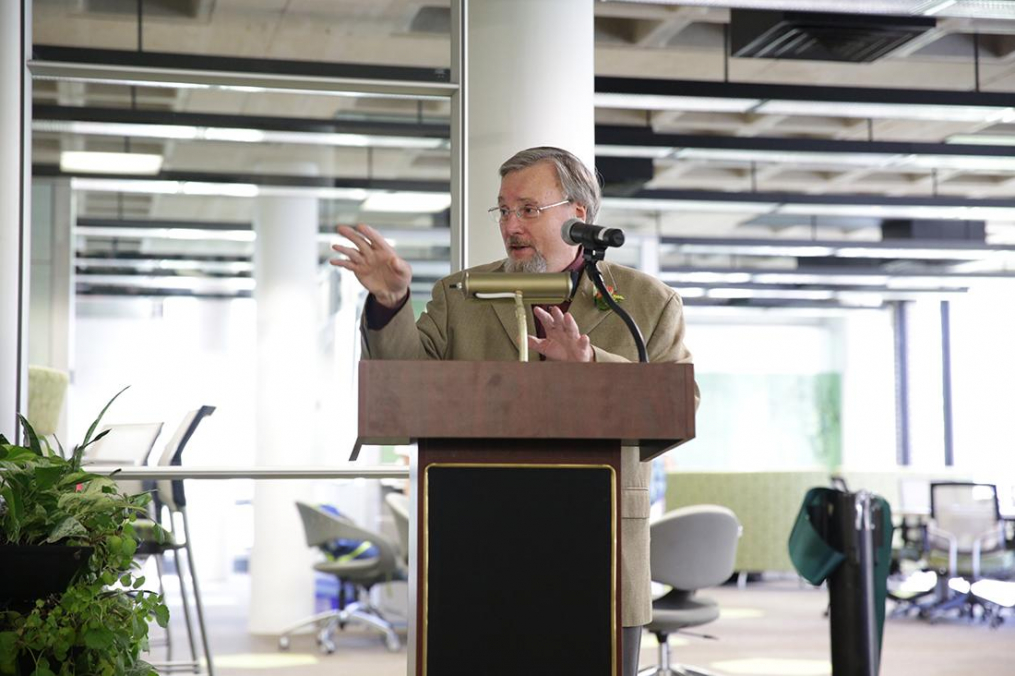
<point x="535" y="263"/>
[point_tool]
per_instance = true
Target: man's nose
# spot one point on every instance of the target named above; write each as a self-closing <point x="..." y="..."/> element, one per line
<point x="512" y="225"/>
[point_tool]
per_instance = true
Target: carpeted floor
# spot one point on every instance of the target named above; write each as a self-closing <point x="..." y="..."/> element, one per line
<point x="770" y="628"/>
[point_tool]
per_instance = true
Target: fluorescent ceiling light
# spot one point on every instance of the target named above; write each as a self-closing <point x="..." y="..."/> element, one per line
<point x="983" y="139"/>
<point x="164" y="233"/>
<point x="684" y="103"/>
<point x="706" y="277"/>
<point x="219" y="189"/>
<point x="164" y="264"/>
<point x="652" y="204"/>
<point x="651" y="152"/>
<point x="233" y="134"/>
<point x="908" y="111"/>
<point x="238" y="135"/>
<point x="176" y="282"/>
<point x="811" y="278"/>
<point x="870" y="160"/>
<point x="166" y="131"/>
<point x="74" y="161"/>
<point x="900" y="211"/>
<point x="984" y="9"/>
<point x="920" y="250"/>
<point x="201" y="188"/>
<point x="751" y="248"/>
<point x="911" y="252"/>
<point x="346" y="194"/>
<point x="792" y="294"/>
<point x="785" y="156"/>
<point x="125" y="185"/>
<point x="407" y="202"/>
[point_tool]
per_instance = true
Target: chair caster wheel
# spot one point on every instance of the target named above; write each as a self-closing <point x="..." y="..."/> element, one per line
<point x="283" y="643"/>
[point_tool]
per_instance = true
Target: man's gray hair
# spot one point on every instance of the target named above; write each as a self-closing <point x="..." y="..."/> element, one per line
<point x="576" y="180"/>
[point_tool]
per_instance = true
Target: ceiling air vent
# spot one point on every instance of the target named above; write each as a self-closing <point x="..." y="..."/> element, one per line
<point x="819" y="36"/>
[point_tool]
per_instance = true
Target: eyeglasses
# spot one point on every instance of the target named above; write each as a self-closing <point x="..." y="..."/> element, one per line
<point x="527" y="213"/>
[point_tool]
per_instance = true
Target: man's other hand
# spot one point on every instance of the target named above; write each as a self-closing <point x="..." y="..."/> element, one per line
<point x="378" y="268"/>
<point x="563" y="342"/>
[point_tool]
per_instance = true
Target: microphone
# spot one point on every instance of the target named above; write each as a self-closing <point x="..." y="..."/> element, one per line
<point x="590" y="236"/>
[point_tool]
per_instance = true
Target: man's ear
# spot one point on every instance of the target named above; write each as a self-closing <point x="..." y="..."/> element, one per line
<point x="580" y="212"/>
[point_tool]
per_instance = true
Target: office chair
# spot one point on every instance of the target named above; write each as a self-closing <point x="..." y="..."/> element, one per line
<point x="321" y="528"/>
<point x="967" y="539"/>
<point x="398" y="503"/>
<point x="692" y="548"/>
<point x="47" y="389"/>
<point x="125" y="445"/>
<point x="170" y="497"/>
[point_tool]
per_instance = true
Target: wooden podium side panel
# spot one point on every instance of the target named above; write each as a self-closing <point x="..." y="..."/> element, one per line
<point x="519" y="559"/>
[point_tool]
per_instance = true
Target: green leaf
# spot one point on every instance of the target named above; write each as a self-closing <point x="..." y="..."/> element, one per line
<point x="8" y="651"/>
<point x="67" y="528"/>
<point x="138" y="582"/>
<point x="47" y="476"/>
<point x="30" y="435"/>
<point x="98" y="638"/>
<point x="91" y="430"/>
<point x="162" y="615"/>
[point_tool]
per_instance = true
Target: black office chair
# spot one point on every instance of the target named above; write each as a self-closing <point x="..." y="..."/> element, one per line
<point x="169" y="500"/>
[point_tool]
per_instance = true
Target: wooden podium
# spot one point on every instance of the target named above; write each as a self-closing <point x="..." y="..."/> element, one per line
<point x="515" y="537"/>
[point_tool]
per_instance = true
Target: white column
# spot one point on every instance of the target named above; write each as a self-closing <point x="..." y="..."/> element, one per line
<point x="15" y="177"/>
<point x="51" y="306"/>
<point x="529" y="81"/>
<point x="285" y="264"/>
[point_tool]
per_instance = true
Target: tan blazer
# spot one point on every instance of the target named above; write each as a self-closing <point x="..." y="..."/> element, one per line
<point x="456" y="328"/>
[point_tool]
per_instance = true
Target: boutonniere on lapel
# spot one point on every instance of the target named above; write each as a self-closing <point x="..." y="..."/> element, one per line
<point x="601" y="302"/>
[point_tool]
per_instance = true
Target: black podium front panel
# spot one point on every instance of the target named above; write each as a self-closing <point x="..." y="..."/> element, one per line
<point x="520" y="570"/>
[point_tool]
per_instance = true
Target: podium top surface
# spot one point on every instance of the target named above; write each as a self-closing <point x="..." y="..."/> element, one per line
<point x="646" y="405"/>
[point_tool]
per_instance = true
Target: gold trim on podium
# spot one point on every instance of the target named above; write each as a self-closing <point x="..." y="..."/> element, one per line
<point x="613" y="540"/>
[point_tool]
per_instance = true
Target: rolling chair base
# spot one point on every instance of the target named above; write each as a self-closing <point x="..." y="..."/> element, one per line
<point x="664" y="668"/>
<point x="329" y="621"/>
<point x="679" y="670"/>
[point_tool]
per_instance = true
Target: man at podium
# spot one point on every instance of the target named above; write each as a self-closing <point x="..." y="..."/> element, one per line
<point x="540" y="189"/>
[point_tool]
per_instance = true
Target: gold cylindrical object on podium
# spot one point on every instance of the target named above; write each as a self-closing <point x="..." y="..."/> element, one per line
<point x="538" y="288"/>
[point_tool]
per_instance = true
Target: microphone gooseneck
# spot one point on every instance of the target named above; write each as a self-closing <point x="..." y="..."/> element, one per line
<point x="594" y="241"/>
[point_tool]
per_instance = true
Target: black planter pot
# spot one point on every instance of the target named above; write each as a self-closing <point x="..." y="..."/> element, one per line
<point x="33" y="572"/>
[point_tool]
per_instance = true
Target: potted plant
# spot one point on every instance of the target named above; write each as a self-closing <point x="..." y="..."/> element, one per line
<point x="70" y="599"/>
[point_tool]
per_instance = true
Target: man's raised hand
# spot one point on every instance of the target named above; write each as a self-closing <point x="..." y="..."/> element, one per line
<point x="563" y="342"/>
<point x="378" y="268"/>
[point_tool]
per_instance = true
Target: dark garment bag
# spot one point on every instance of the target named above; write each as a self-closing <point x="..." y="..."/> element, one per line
<point x="845" y="539"/>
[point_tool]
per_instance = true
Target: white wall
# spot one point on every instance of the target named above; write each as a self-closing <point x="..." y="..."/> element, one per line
<point x="866" y="360"/>
<point x="983" y="379"/>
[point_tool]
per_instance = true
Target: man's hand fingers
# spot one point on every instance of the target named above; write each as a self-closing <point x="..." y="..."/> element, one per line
<point x="571" y="326"/>
<point x="351" y="253"/>
<point x="375" y="237"/>
<point x="537" y="344"/>
<point x="357" y="237"/>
